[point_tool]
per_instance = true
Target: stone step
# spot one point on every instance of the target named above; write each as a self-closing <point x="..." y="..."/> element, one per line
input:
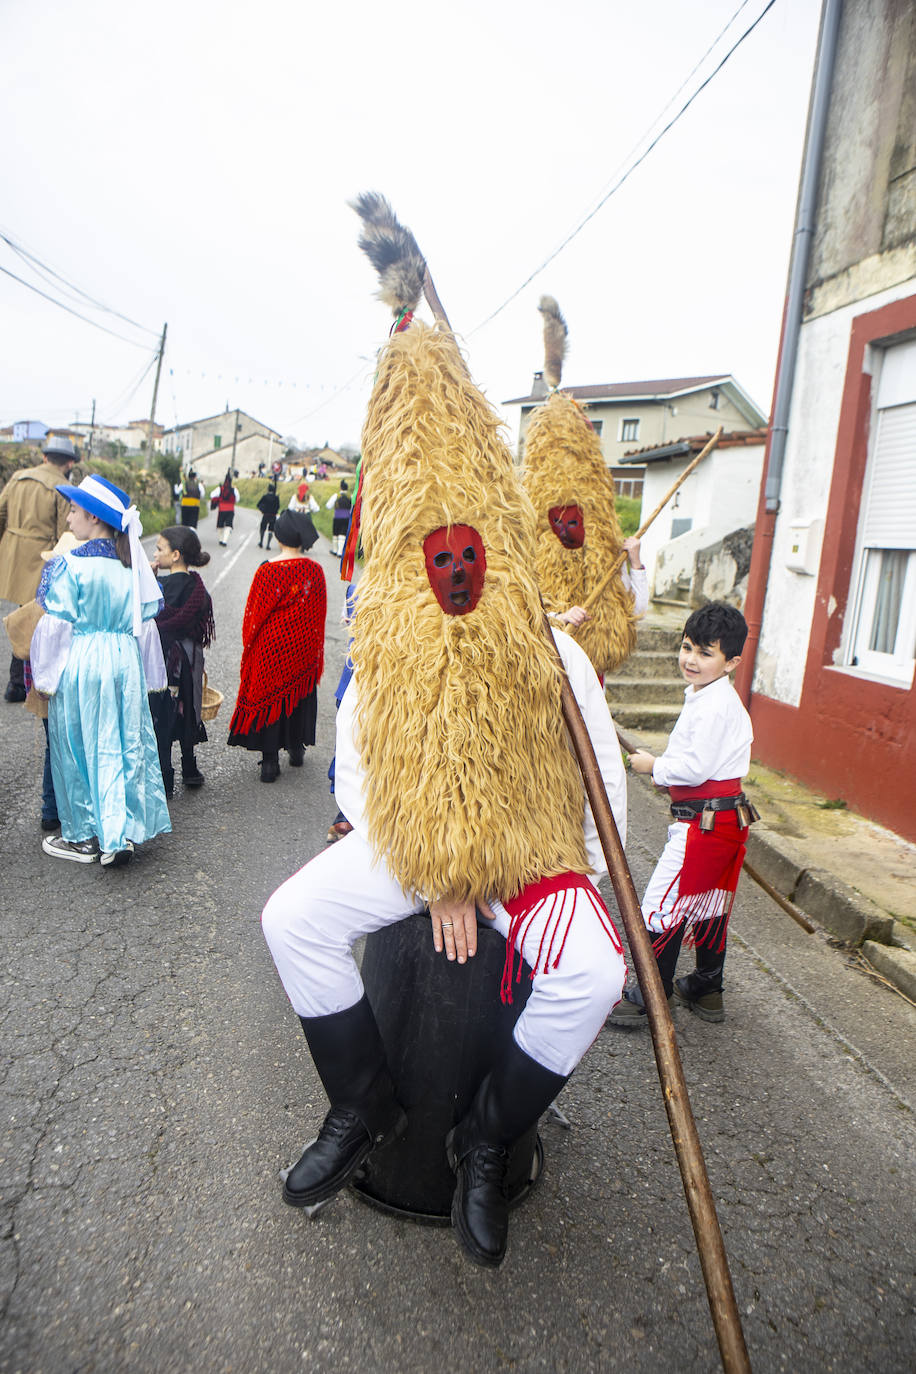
<point x="651" y="663"/>
<point x="632" y="691"/>
<point x="657" y="637"/>
<point x="652" y="718"/>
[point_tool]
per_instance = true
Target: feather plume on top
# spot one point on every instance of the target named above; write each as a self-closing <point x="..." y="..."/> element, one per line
<point x="555" y="332"/>
<point x="393" y="252"/>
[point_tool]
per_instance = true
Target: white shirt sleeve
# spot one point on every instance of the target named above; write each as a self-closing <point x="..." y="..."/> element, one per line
<point x="348" y="773"/>
<point x="49" y="652"/>
<point x="636" y="580"/>
<point x="603" y="734"/>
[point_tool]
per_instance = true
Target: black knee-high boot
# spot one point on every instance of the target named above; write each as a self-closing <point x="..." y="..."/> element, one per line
<point x="508" y="1102"/>
<point x="350" y="1059"/>
<point x="701" y="990"/>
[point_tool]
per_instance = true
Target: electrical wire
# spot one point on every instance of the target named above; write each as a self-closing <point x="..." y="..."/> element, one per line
<point x="70" y="311"/>
<point x="665" y="108"/>
<point x="45" y="271"/>
<point x="333" y="397"/>
<point x="132" y="388"/>
<point x="626" y="175"/>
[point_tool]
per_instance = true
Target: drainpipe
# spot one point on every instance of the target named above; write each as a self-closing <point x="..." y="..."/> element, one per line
<point x="805" y="225"/>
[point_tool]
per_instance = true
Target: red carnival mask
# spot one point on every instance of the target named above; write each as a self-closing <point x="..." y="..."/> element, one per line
<point x="456" y="566"/>
<point x="568" y="524"/>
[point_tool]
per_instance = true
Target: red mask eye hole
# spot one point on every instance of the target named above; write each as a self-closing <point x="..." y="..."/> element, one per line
<point x="442" y="560"/>
<point x="469" y="555"/>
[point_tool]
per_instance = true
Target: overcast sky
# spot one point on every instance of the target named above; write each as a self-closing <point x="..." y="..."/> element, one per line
<point x="191" y="162"/>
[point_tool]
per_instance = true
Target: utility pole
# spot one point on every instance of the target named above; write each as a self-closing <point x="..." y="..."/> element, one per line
<point x="152" y="413"/>
<point x="92" y="428"/>
<point x="235" y="434"/>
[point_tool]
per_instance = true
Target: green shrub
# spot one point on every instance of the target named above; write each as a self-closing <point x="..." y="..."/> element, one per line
<point x="628" y="509"/>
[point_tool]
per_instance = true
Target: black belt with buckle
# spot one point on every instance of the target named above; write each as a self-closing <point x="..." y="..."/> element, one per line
<point x="692" y="807"/>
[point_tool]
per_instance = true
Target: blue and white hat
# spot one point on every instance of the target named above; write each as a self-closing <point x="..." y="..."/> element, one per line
<point x="113" y="507"/>
<point x="100" y="498"/>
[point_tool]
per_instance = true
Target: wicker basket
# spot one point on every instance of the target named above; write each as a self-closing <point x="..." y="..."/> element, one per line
<point x="212" y="701"/>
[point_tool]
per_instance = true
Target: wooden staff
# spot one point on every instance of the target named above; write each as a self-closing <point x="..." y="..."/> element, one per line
<point x="685" y="1138"/>
<point x="687" y="1147"/>
<point x="619" y="562"/>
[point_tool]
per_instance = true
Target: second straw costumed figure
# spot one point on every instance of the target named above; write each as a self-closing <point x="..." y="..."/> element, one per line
<point x="578" y="530"/>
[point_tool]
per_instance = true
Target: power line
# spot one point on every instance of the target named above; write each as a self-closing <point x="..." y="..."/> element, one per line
<point x="340" y="390"/>
<point x="628" y="173"/>
<point x="70" y="311"/>
<point x="44" y="270"/>
<point x="667" y="106"/>
<point x="132" y="388"/>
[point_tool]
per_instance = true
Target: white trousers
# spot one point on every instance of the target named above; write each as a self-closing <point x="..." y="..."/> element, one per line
<point x="660" y="896"/>
<point x="312" y="921"/>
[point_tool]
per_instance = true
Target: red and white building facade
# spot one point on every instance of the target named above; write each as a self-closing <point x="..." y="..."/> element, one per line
<point x="829" y="672"/>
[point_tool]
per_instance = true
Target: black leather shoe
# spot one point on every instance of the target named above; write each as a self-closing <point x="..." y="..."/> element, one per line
<point x="296" y="757"/>
<point x="270" y="770"/>
<point x="480" y="1206"/>
<point x="365" y="1114"/>
<point x="330" y="1161"/>
<point x="14" y="692"/>
<point x="193" y="779"/>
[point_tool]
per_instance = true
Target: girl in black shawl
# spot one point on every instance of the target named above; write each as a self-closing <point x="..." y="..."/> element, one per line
<point x="185" y="626"/>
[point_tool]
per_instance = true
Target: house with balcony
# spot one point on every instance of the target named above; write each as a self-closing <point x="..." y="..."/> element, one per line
<point x="649" y="414"/>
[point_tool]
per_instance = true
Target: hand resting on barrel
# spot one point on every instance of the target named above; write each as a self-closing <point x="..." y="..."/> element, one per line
<point x="455" y="926"/>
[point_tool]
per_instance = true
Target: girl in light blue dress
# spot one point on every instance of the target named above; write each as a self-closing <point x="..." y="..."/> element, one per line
<point x="96" y="653"/>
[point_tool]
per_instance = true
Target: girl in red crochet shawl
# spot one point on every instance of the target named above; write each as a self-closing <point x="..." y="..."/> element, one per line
<point x="282" y="651"/>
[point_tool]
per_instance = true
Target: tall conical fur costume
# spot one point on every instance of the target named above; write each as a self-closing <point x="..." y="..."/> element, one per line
<point x="471" y="787"/>
<point x="564" y="466"/>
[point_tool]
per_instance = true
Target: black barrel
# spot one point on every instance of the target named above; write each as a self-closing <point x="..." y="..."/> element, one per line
<point x="444" y="1026"/>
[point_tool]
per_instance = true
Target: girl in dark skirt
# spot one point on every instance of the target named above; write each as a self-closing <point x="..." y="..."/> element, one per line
<point x="224" y="499"/>
<point x="282" y="650"/>
<point x="185" y="626"/>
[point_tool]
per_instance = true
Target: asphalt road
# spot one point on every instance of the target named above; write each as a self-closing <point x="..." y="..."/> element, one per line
<point x="155" y="1081"/>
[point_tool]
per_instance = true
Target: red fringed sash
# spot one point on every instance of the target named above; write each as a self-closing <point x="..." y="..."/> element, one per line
<point x="709" y="874"/>
<point x="560" y="892"/>
<point x="283" y="642"/>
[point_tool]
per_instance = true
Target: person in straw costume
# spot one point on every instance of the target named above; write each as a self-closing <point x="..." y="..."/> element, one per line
<point x="578" y="531"/>
<point x="454" y="769"/>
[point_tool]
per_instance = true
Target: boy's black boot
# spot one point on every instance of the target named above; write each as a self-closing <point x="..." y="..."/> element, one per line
<point x="350" y="1058"/>
<point x="508" y="1103"/>
<point x="701" y="991"/>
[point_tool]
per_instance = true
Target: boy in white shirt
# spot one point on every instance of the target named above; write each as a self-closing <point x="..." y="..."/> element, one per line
<point x="693" y="887"/>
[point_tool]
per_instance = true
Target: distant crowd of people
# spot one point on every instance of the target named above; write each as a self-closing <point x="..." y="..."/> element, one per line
<point x="109" y="647"/>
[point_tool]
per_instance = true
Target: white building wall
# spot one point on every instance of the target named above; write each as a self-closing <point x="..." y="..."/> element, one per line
<point x="720" y="497"/>
<point x="807" y="472"/>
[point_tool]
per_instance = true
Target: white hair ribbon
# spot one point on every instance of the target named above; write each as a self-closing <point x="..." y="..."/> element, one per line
<point x="145" y="586"/>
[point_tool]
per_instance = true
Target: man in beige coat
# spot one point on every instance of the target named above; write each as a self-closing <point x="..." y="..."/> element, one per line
<point x="32" y="517"/>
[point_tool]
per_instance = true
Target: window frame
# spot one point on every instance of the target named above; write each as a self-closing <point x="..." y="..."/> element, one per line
<point x="897" y="668"/>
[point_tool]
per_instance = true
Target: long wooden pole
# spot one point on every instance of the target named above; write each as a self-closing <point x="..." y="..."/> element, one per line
<point x="621" y="559"/>
<point x="687" y="1148"/>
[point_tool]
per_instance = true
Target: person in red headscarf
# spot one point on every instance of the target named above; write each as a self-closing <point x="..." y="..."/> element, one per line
<point x="282" y="650"/>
